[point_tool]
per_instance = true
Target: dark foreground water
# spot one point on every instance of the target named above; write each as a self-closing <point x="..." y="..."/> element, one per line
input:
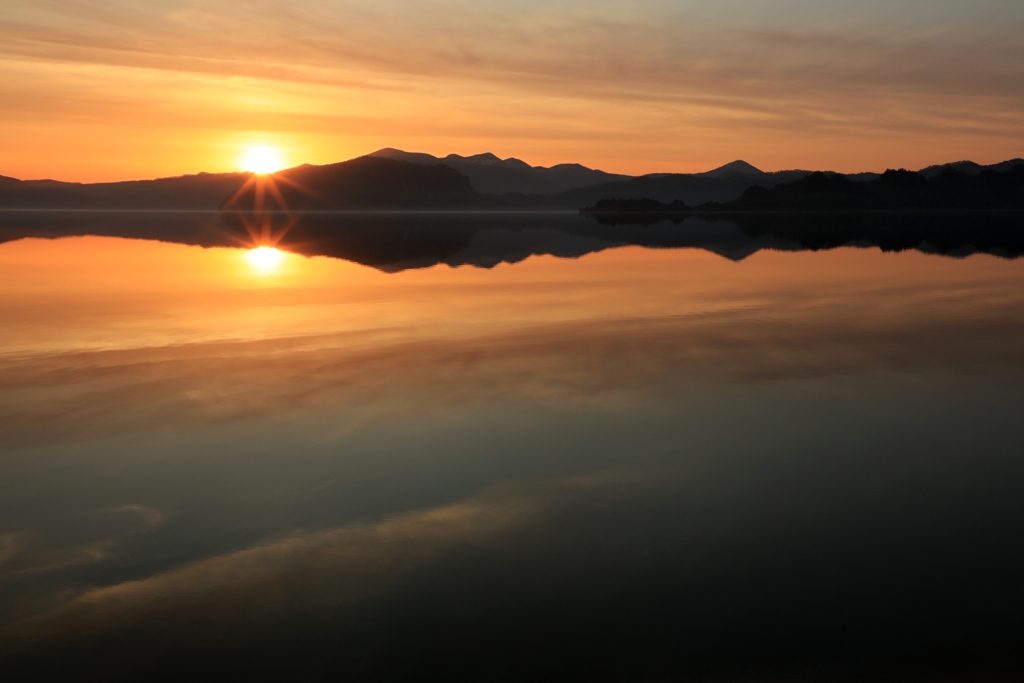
<point x="638" y="464"/>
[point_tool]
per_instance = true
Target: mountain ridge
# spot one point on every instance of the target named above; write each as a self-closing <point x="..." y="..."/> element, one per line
<point x="362" y="183"/>
<point x="200" y="191"/>
<point x="207" y="191"/>
<point x="739" y="167"/>
<point x="489" y="174"/>
<point x="895" y="190"/>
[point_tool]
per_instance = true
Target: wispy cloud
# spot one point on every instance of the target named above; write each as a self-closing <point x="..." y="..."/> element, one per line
<point x="522" y="71"/>
<point x="592" y="51"/>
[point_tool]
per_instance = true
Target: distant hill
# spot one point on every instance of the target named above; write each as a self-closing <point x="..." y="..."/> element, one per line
<point x="570" y="186"/>
<point x="491" y="175"/>
<point x="363" y="183"/>
<point x="203" y="191"/>
<point x="688" y="188"/>
<point x="207" y="191"/>
<point x="949" y="189"/>
<point x="969" y="167"/>
<point x="738" y="167"/>
<point x="405" y="180"/>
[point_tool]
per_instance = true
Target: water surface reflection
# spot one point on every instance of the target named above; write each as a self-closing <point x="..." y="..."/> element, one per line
<point x="634" y="465"/>
<point x="395" y="241"/>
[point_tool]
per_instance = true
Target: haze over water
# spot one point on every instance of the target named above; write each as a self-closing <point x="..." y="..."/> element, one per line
<point x="638" y="464"/>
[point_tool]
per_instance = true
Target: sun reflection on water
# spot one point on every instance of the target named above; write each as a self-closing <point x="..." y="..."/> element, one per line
<point x="265" y="259"/>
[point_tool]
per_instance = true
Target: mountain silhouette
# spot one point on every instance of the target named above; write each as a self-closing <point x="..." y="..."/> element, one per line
<point x="491" y="175"/>
<point x="969" y="167"/>
<point x="894" y="190"/>
<point x="207" y="191"/>
<point x="738" y="167"/>
<point x="363" y="183"/>
<point x="203" y="191"/>
<point x="414" y="181"/>
<point x="949" y="189"/>
<point x="692" y="189"/>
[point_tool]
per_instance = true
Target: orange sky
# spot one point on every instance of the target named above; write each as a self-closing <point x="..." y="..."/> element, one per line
<point x="112" y="89"/>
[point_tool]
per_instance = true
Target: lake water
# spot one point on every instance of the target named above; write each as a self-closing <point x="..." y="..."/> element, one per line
<point x="629" y="464"/>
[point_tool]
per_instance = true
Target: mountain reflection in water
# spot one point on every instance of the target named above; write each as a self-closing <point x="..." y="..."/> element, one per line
<point x="640" y="464"/>
<point x="394" y="241"/>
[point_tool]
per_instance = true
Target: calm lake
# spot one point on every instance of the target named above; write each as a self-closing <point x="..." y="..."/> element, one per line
<point x="530" y="453"/>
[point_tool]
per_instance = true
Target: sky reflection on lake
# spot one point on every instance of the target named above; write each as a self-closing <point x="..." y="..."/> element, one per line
<point x="638" y="464"/>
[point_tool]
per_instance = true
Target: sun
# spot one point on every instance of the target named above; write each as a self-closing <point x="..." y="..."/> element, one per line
<point x="261" y="159"/>
<point x="264" y="259"/>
